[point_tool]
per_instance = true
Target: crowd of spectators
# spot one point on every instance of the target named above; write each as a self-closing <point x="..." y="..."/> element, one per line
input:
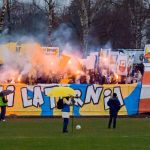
<point x="86" y="77"/>
<point x="83" y="77"/>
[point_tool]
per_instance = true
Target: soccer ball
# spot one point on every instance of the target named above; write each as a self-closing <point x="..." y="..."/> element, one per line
<point x="78" y="127"/>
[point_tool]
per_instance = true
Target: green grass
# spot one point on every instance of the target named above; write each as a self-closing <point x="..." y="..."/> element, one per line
<point x="45" y="134"/>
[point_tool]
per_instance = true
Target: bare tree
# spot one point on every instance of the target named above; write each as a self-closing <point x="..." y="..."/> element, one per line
<point x="119" y="21"/>
<point x="139" y="12"/>
<point x="8" y="16"/>
<point x="88" y="11"/>
<point x="2" y="14"/>
<point x="49" y="7"/>
<point x="49" y="10"/>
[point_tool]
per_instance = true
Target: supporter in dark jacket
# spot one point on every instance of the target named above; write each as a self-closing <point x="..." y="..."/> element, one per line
<point x="114" y="106"/>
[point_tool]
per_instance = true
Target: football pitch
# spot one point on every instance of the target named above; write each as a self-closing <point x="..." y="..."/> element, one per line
<point x="46" y="134"/>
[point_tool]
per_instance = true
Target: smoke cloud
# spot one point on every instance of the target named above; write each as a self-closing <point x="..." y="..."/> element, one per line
<point x="32" y="61"/>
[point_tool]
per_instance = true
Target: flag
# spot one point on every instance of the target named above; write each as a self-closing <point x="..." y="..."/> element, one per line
<point x="63" y="61"/>
<point x="96" y="55"/>
<point x="90" y="62"/>
<point x="122" y="65"/>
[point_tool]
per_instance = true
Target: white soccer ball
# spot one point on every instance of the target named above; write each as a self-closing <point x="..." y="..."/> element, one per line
<point x="78" y="127"/>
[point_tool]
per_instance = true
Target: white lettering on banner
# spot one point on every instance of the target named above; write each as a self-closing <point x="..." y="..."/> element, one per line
<point x="32" y="96"/>
<point x="117" y="90"/>
<point x="93" y="94"/>
<point x="37" y="98"/>
<point x="52" y="99"/>
<point x="78" y="101"/>
<point x="10" y="97"/>
<point x="25" y="100"/>
<point x="107" y="95"/>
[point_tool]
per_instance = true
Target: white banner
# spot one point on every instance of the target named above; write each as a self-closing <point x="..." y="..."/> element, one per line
<point x="90" y="62"/>
<point x="122" y="65"/>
